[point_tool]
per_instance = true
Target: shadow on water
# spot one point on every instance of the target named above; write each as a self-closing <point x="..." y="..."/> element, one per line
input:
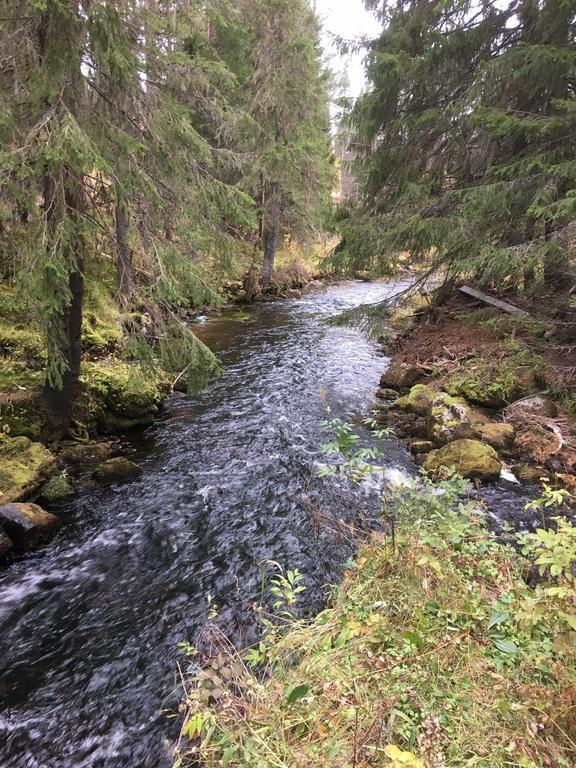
<point x="89" y="626"/>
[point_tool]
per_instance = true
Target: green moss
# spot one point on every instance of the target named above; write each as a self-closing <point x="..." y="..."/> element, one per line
<point x="118" y="396"/>
<point x="418" y="400"/>
<point x="21" y="344"/>
<point x="469" y="458"/>
<point x="58" y="487"/>
<point x="495" y="383"/>
<point x="23" y="466"/>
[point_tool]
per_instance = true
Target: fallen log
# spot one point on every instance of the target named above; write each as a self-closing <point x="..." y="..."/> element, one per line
<point x="503" y="305"/>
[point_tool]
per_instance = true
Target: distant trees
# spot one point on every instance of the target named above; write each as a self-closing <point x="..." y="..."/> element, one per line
<point x="467" y="141"/>
<point x="288" y="100"/>
<point x="138" y="141"/>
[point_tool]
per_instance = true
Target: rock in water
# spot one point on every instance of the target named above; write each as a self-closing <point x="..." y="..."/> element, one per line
<point x="418" y="401"/>
<point x="56" y="488"/>
<point x="118" y="470"/>
<point x="5" y="543"/>
<point x="451" y="418"/>
<point x="27" y="523"/>
<point x="470" y="458"/>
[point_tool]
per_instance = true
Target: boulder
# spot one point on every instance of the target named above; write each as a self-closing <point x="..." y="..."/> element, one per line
<point x="58" y="487"/>
<point x="499" y="436"/>
<point x="386" y="394"/>
<point x="118" y="470"/>
<point x="6" y="543"/>
<point x="27" y="523"/>
<point x="84" y="458"/>
<point x="535" y="405"/>
<point x="451" y="418"/>
<point x="400" y="376"/>
<point x="418" y="401"/>
<point x="528" y="474"/>
<point x="24" y="465"/>
<point x="470" y="458"/>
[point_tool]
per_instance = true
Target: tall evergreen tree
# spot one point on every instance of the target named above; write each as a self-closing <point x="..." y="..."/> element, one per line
<point x="466" y="139"/>
<point x="291" y="176"/>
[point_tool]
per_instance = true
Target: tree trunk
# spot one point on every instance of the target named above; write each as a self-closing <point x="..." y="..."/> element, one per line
<point x="270" y="245"/>
<point x="124" y="253"/>
<point x="64" y="327"/>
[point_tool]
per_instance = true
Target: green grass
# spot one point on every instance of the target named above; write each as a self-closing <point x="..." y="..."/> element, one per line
<point x="433" y="653"/>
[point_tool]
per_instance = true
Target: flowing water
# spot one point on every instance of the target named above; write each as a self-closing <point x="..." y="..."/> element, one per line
<point x="90" y="625"/>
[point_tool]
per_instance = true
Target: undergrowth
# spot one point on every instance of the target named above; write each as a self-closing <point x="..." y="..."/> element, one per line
<point x="434" y="652"/>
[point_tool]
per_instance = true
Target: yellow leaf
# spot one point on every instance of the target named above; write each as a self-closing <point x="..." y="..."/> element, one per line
<point x="400" y="758"/>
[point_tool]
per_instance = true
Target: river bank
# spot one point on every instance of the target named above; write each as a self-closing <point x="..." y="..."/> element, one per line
<point x="473" y="387"/>
<point x="433" y="652"/>
<point x="439" y="648"/>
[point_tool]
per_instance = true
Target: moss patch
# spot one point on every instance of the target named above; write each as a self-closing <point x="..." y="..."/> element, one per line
<point x="118" y="396"/>
<point x="23" y="466"/>
<point x="469" y="458"/>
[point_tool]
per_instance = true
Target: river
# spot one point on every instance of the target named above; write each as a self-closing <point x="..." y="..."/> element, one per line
<point x="90" y="624"/>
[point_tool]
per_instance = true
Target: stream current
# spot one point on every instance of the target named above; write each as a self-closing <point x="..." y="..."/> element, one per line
<point x="90" y="624"/>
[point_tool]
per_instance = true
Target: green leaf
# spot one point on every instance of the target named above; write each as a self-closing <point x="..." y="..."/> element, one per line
<point x="506" y="646"/>
<point x="297" y="693"/>
<point x="500" y="617"/>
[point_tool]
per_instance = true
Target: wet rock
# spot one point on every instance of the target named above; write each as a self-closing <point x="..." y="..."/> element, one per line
<point x="418" y="401"/>
<point x="85" y="458"/>
<point x="400" y="376"/>
<point x="499" y="436"/>
<point x="24" y="465"/>
<point x="6" y="543"/>
<point x="470" y="458"/>
<point x="386" y="394"/>
<point x="118" y="470"/>
<point x="534" y="405"/>
<point x="27" y="523"/>
<point x="421" y="446"/>
<point x="528" y="474"/>
<point x="58" y="487"/>
<point x="451" y="418"/>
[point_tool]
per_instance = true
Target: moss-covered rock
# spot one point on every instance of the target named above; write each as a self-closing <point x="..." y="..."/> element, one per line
<point x="493" y="384"/>
<point x="499" y="435"/>
<point x="470" y="458"/>
<point x="58" y="487"/>
<point x="528" y="474"/>
<point x="451" y="418"/>
<point x="118" y="470"/>
<point x="27" y="523"/>
<point x="117" y="397"/>
<point x="22" y="414"/>
<point x="24" y="465"/>
<point x="400" y="376"/>
<point x="79" y="459"/>
<point x="418" y="401"/>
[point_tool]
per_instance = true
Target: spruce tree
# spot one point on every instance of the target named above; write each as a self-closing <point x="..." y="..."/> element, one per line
<point x="291" y="175"/>
<point x="466" y="141"/>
